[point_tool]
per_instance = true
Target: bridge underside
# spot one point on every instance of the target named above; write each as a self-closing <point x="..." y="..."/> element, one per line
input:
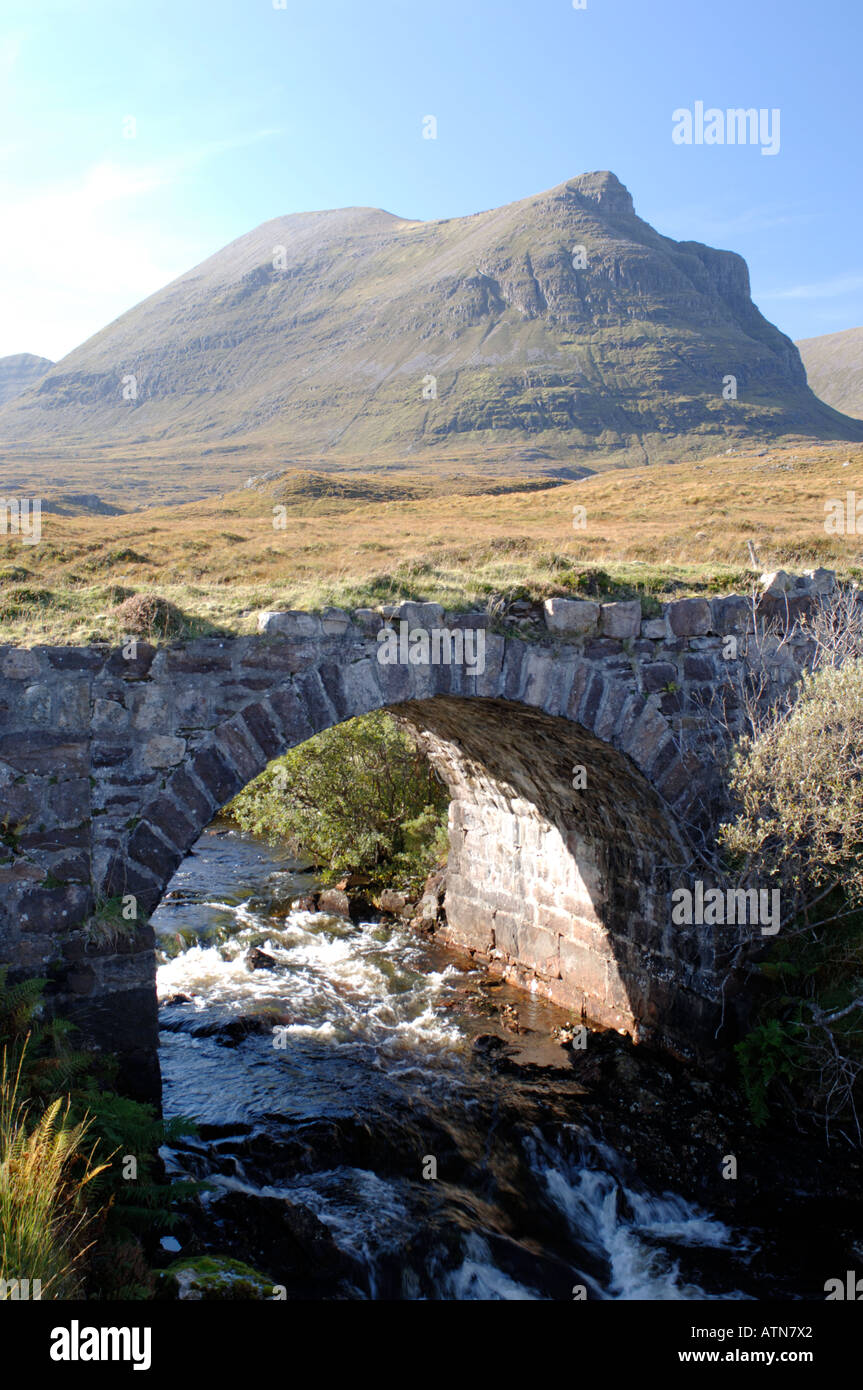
<point x="562" y="861"/>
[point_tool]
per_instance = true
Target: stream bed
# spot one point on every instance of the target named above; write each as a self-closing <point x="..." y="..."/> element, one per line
<point x="379" y="1119"/>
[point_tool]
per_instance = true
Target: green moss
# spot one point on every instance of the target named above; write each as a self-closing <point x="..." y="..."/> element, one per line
<point x="215" y="1277"/>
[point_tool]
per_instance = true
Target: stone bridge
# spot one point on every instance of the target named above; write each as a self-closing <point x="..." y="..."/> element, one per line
<point x="579" y="754"/>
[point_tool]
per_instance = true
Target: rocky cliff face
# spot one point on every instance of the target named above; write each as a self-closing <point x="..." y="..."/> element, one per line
<point x="19" y="372"/>
<point x="562" y="320"/>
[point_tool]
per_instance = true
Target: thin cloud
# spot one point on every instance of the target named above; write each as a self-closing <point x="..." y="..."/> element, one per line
<point x="75" y="255"/>
<point x="684" y="222"/>
<point x="820" y="289"/>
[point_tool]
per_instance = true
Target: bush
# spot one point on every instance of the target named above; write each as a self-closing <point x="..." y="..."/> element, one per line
<point x="18" y="601"/>
<point x="359" y="799"/>
<point x="799" y="788"/>
<point x="798" y="785"/>
<point x="767" y="1054"/>
<point x="148" y="615"/>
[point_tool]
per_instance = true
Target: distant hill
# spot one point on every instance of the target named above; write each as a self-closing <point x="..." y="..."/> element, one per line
<point x="19" y="372"/>
<point x="562" y="321"/>
<point x="834" y="366"/>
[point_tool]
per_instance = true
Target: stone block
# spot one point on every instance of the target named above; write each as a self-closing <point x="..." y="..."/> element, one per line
<point x="821" y="581"/>
<point x="215" y="775"/>
<point x="236" y="743"/>
<point x="318" y="706"/>
<point x="468" y="923"/>
<point x="290" y="624"/>
<point x="109" y="716"/>
<point x="43" y="751"/>
<point x="658" y="675"/>
<point x="571" y="616"/>
<point x="420" y="614"/>
<point x="260" y="725"/>
<point x="584" y="970"/>
<point x="688" y="617"/>
<point x="622" y="619"/>
<point x="335" y="622"/>
<point x="163" y="750"/>
<point x="368" y="619"/>
<point x="55" y="910"/>
<point x="776" y="582"/>
<point x="698" y="667"/>
<point x="592" y="700"/>
<point x="20" y="665"/>
<point x="203" y="657"/>
<point x="148" y="849"/>
<point x="130" y="662"/>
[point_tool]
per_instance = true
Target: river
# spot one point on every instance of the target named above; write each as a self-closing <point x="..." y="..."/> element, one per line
<point x="446" y="1156"/>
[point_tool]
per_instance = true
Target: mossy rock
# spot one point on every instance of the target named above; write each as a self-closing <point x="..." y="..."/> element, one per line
<point x="215" y="1277"/>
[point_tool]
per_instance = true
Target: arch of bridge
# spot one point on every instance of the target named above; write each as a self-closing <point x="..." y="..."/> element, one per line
<point x="112" y="762"/>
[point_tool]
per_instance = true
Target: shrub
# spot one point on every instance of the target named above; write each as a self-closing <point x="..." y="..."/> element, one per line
<point x="147" y="615"/>
<point x="766" y="1054"/>
<point x="798" y="786"/>
<point x="359" y="799"/>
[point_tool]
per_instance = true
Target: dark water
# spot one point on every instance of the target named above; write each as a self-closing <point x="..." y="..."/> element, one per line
<point x="384" y="1075"/>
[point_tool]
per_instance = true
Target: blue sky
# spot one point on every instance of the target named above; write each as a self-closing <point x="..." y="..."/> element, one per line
<point x="244" y="111"/>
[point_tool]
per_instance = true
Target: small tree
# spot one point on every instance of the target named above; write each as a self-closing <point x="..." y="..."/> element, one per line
<point x="359" y="799"/>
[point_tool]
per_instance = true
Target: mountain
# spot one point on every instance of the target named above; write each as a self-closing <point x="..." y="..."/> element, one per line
<point x="19" y="372"/>
<point x="834" y="366"/>
<point x="562" y="324"/>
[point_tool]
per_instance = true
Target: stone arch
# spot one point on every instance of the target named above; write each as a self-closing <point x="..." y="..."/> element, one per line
<point x="113" y="761"/>
<point x="566" y="889"/>
<point x="293" y="708"/>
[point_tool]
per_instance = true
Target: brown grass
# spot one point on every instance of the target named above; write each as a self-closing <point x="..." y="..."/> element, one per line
<point x="660" y="530"/>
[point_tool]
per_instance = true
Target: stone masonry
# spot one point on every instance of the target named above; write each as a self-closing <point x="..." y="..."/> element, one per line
<point x="113" y="761"/>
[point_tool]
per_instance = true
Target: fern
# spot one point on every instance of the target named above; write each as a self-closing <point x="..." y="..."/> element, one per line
<point x="766" y="1055"/>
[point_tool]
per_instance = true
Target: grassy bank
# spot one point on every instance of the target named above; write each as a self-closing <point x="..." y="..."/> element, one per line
<point x="796" y="786"/>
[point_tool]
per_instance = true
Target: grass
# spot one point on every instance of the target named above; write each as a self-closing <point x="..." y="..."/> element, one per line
<point x="44" y="1221"/>
<point x="657" y="532"/>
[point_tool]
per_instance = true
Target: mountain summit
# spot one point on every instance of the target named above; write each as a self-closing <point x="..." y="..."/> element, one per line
<point x="560" y="326"/>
